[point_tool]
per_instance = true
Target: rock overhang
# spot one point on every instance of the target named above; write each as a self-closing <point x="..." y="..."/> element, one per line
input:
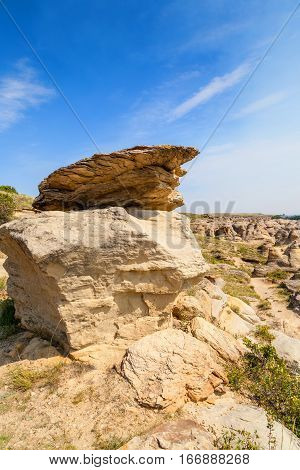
<point x="141" y="176"/>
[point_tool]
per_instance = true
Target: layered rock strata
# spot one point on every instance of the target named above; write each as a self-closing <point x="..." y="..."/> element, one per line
<point x="144" y="177"/>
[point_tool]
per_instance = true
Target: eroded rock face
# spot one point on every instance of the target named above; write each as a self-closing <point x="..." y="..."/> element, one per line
<point x="94" y="276"/>
<point x="170" y="367"/>
<point x="143" y="176"/>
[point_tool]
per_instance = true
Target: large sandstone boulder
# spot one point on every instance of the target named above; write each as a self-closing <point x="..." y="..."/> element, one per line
<point x="170" y="367"/>
<point x="105" y="275"/>
<point x="293" y="252"/>
<point x="144" y="177"/>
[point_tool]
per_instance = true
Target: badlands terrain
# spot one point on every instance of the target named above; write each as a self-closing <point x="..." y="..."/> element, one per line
<point x="126" y="324"/>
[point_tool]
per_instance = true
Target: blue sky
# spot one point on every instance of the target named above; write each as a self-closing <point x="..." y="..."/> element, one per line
<point x="156" y="72"/>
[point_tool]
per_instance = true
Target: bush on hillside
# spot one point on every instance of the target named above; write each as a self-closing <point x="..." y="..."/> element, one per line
<point x="8" y="189"/>
<point x="267" y="379"/>
<point x="7" y="207"/>
<point x="277" y="275"/>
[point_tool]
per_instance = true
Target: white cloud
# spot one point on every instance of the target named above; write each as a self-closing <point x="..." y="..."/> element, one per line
<point x="216" y="86"/>
<point x="20" y="92"/>
<point x="263" y="103"/>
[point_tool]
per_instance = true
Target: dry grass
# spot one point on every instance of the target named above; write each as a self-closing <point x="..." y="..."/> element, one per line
<point x="2" y="283"/>
<point x="111" y="443"/>
<point x="22" y="379"/>
<point x="264" y="304"/>
<point x="4" y="439"/>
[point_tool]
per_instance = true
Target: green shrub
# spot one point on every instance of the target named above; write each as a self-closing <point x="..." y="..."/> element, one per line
<point x="235" y="439"/>
<point x="263" y="334"/>
<point x="8" y="189"/>
<point x="264" y="304"/>
<point x="7" y="207"/>
<point x="266" y="378"/>
<point x="277" y="275"/>
<point x="8" y="322"/>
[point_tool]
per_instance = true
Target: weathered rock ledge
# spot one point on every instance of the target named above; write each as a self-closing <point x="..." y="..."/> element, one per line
<point x="143" y="176"/>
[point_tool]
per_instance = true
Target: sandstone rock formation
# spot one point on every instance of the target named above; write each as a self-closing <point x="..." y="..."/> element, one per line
<point x="262" y="229"/>
<point x="170" y="367"/>
<point x="106" y="275"/>
<point x="228" y="414"/>
<point x="288" y="348"/>
<point x="144" y="177"/>
<point x="225" y="345"/>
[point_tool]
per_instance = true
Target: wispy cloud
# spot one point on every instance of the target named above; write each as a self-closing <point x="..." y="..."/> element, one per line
<point x="151" y="110"/>
<point x="216" y="86"/>
<point x="211" y="38"/>
<point x="261" y="104"/>
<point x="19" y="92"/>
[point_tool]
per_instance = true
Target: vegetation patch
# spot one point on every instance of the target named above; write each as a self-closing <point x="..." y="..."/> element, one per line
<point x="264" y="304"/>
<point x="262" y="333"/>
<point x="7" y="207"/>
<point x="277" y="275"/>
<point x="283" y="293"/>
<point x="266" y="379"/>
<point x="4" y="439"/>
<point x="2" y="283"/>
<point x="237" y="286"/>
<point x="235" y="439"/>
<point x="8" y="189"/>
<point x="23" y="379"/>
<point x="112" y="443"/>
<point x="23" y="202"/>
<point x="11" y="201"/>
<point x="250" y="253"/>
<point x="216" y="251"/>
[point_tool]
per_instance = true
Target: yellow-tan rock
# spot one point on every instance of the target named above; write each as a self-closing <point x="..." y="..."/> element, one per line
<point x="170" y="367"/>
<point x="143" y="176"/>
<point x="105" y="275"/>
